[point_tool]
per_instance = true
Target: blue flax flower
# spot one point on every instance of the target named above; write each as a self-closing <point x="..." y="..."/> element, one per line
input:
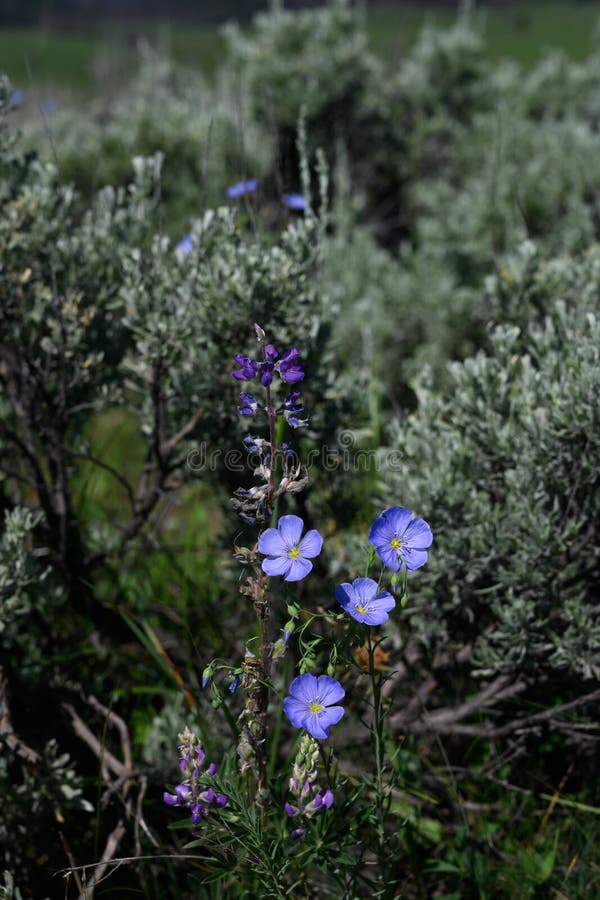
<point x="310" y="704"/>
<point x="361" y="600"/>
<point x="294" y="201"/>
<point x="242" y="188"/>
<point x="186" y="245"/>
<point x="400" y="539"/>
<point x="287" y="552"/>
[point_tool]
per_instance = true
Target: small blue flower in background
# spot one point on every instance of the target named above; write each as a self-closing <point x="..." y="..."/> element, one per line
<point x="400" y="539"/>
<point x="361" y="600"/>
<point x="248" y="405"/>
<point x="294" y="201"/>
<point x="234" y="684"/>
<point x="186" y="245"/>
<point x="311" y="704"/>
<point x="16" y="99"/>
<point x="49" y="106"/>
<point x="242" y="188"/>
<point x="287" y="552"/>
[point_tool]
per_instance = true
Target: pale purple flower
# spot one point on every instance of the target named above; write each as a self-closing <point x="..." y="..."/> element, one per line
<point x="185" y="245"/>
<point x="400" y="539"/>
<point x="287" y="552"/>
<point x="294" y="201"/>
<point x="311" y="704"/>
<point x="242" y="188"/>
<point x="361" y="600"/>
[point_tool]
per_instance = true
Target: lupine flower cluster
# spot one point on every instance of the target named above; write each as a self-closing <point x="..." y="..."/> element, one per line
<point x="254" y="504"/>
<point x="309" y="798"/>
<point x="194" y="792"/>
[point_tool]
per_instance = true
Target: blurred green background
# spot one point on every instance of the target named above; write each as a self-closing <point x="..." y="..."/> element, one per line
<point x="80" y="53"/>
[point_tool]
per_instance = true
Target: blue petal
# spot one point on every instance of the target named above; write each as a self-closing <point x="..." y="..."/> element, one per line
<point x="296" y="711"/>
<point x="399" y="519"/>
<point x="364" y="588"/>
<point x="279" y="565"/>
<point x="314" y="726"/>
<point x="271" y="544"/>
<point x="304" y="687"/>
<point x="299" y="569"/>
<point x="415" y="559"/>
<point x="290" y="529"/>
<point x="390" y="558"/>
<point x="311" y="544"/>
<point x="344" y="594"/>
<point x="329" y="690"/>
<point x="418" y="535"/>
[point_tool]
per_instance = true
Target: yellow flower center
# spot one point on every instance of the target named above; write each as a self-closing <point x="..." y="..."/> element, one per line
<point x="361" y="609"/>
<point x="315" y="707"/>
<point x="294" y="553"/>
<point x="396" y="543"/>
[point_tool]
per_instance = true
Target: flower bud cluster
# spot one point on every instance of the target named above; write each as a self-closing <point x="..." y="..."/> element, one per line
<point x="195" y="791"/>
<point x="309" y="798"/>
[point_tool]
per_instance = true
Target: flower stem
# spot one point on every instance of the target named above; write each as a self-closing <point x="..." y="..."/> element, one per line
<point x="379" y="753"/>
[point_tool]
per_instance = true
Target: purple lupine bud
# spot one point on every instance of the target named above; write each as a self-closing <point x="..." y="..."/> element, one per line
<point x="221" y="801"/>
<point x="212" y="770"/>
<point x="248" y="405"/>
<point x="247" y="368"/>
<point x="294" y="785"/>
<point x="260" y="334"/>
<point x="290" y="367"/>
<point x="183" y="764"/>
<point x="290" y="810"/>
<point x="170" y="799"/>
<point x="296" y="834"/>
<point x="200" y="754"/>
<point x="271" y="353"/>
<point x="196" y="811"/>
<point x="209" y="795"/>
<point x="183" y="794"/>
<point x="306" y="787"/>
<point x="317" y="802"/>
<point x="266" y="377"/>
<point x="328" y="799"/>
